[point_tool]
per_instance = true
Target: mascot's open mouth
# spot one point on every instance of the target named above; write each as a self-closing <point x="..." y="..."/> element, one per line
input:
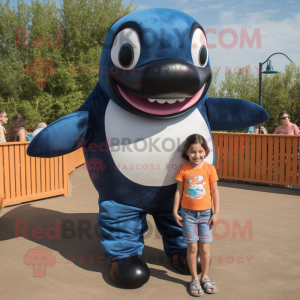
<point x="160" y="106"/>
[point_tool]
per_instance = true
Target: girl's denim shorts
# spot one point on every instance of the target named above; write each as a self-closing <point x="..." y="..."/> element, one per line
<point x="195" y="227"/>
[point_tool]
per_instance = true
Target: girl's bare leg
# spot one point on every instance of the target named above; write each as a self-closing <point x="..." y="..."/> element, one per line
<point x="205" y="258"/>
<point x="192" y="250"/>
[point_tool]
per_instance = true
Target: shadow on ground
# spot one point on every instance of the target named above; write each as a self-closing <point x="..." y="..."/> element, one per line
<point x="76" y="237"/>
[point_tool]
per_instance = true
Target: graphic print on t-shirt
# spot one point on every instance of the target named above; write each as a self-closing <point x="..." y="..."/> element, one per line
<point x="199" y="178"/>
<point x="196" y="186"/>
<point x="189" y="180"/>
<point x="196" y="190"/>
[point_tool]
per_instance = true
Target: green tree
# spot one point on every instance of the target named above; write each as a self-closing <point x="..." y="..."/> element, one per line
<point x="279" y="92"/>
<point x="49" y="56"/>
<point x="213" y="89"/>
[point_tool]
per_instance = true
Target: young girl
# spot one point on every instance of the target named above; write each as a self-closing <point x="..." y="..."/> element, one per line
<point x="196" y="184"/>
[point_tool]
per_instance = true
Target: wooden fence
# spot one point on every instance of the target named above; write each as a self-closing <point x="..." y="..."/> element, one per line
<point x="246" y="157"/>
<point x="24" y="178"/>
<point x="259" y="158"/>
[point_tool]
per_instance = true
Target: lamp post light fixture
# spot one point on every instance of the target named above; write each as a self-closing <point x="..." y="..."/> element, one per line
<point x="269" y="70"/>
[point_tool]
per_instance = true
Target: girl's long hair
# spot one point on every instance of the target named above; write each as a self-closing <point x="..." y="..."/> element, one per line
<point x="191" y="140"/>
<point x="15" y="125"/>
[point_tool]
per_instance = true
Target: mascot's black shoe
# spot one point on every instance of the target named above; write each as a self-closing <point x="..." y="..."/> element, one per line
<point x="180" y="263"/>
<point x="130" y="272"/>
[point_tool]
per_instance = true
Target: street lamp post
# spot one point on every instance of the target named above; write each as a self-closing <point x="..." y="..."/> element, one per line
<point x="269" y="70"/>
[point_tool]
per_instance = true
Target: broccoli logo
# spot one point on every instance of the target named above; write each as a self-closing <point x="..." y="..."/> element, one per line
<point x="39" y="258"/>
<point x="41" y="68"/>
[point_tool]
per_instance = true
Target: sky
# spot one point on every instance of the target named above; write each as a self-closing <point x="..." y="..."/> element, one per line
<point x="275" y="23"/>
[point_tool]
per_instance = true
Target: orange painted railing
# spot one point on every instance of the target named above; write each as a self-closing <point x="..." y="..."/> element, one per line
<point x="259" y="158"/>
<point x="246" y="157"/>
<point x="24" y="178"/>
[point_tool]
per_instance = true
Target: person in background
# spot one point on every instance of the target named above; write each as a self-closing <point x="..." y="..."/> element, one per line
<point x="287" y="127"/>
<point x="39" y="128"/>
<point x="255" y="129"/>
<point x="16" y="131"/>
<point x="251" y="129"/>
<point x="3" y="121"/>
<point x="263" y="129"/>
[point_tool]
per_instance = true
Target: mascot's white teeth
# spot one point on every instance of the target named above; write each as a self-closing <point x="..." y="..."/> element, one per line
<point x="170" y="101"/>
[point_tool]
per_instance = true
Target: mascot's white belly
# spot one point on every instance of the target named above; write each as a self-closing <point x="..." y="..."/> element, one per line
<point x="148" y="151"/>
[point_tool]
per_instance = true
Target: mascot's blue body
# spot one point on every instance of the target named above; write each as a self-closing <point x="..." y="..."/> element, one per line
<point x="154" y="76"/>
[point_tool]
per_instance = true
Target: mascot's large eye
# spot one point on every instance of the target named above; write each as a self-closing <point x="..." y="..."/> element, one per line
<point x="126" y="49"/>
<point x="199" y="49"/>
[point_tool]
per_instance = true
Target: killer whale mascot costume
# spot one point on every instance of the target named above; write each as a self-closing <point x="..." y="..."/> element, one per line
<point x="154" y="76"/>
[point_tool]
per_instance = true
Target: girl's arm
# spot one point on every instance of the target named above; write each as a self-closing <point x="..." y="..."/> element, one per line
<point x="216" y="198"/>
<point x="22" y="136"/>
<point x="177" y="199"/>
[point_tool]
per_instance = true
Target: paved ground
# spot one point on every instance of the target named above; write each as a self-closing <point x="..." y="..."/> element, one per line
<point x="261" y="263"/>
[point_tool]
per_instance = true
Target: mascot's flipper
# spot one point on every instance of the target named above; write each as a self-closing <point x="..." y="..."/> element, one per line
<point x="62" y="136"/>
<point x="233" y="114"/>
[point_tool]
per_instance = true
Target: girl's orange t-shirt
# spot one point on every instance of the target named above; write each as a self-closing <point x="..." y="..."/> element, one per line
<point x="196" y="189"/>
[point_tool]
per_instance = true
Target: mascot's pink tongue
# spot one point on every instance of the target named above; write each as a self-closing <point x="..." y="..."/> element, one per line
<point x="156" y="108"/>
